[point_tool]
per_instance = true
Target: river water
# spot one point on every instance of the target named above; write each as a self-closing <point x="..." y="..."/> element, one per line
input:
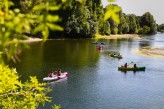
<point x="94" y="81"/>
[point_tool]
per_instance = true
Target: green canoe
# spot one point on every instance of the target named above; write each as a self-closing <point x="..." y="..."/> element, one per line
<point x="131" y="69"/>
<point x="116" y="56"/>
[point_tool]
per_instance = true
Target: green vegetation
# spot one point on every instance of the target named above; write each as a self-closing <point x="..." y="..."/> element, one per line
<point x="161" y="28"/>
<point x="39" y="18"/>
<point x="81" y="20"/>
<point x="17" y="20"/>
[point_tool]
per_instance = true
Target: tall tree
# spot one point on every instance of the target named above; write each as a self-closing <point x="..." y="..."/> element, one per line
<point x="132" y="23"/>
<point x="148" y="20"/>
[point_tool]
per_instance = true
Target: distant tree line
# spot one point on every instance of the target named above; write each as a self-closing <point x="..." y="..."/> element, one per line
<point x="87" y="19"/>
<point x="161" y="28"/>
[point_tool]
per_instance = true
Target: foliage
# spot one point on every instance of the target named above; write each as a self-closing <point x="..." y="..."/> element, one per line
<point x="161" y="28"/>
<point x="112" y="12"/>
<point x="15" y="22"/>
<point x="132" y="23"/>
<point x="15" y="95"/>
<point x="148" y="20"/>
<point x="56" y="107"/>
<point x="80" y="23"/>
<point x="17" y="19"/>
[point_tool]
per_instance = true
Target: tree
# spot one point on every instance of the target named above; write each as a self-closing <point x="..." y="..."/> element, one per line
<point x="148" y="20"/>
<point x="14" y="23"/>
<point x="131" y="21"/>
<point x="123" y="27"/>
<point x="161" y="28"/>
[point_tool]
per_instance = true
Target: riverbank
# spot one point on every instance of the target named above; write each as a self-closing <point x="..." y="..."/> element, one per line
<point x="153" y="52"/>
<point x="29" y="40"/>
<point x="123" y="36"/>
<point x="118" y="36"/>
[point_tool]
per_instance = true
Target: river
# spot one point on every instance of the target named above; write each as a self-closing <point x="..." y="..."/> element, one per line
<point x="94" y="81"/>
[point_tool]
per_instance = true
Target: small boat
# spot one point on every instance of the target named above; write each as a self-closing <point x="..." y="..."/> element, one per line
<point x="95" y="42"/>
<point x="99" y="43"/>
<point x="63" y="75"/>
<point x="131" y="68"/>
<point x="100" y="47"/>
<point x="55" y="77"/>
<point x="116" y="56"/>
<point x="102" y="43"/>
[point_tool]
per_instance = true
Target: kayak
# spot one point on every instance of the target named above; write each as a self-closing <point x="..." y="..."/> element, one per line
<point x="131" y="69"/>
<point x="55" y="77"/>
<point x="116" y="56"/>
<point x="95" y="42"/>
<point x="100" y="47"/>
<point x="102" y="43"/>
<point x="99" y="43"/>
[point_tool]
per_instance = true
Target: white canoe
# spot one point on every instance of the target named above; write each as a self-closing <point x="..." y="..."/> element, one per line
<point x="55" y="77"/>
<point x="63" y="75"/>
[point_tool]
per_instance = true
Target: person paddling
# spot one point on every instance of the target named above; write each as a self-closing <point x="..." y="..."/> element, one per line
<point x="59" y="72"/>
<point x="135" y="66"/>
<point x="125" y="65"/>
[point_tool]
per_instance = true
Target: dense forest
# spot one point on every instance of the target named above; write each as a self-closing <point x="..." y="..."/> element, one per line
<point x="81" y="20"/>
<point x="87" y="20"/>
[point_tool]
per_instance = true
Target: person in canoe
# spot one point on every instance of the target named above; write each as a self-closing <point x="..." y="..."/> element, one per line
<point x="59" y="72"/>
<point x="51" y="74"/>
<point x="125" y="65"/>
<point x="135" y="65"/>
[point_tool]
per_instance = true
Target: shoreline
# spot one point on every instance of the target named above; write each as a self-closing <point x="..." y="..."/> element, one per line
<point x="118" y="36"/>
<point x="29" y="40"/>
<point x="152" y="52"/>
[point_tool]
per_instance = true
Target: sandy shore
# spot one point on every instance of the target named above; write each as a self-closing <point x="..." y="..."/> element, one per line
<point x="123" y="36"/>
<point x="118" y="36"/>
<point x="153" y="52"/>
<point x="29" y="40"/>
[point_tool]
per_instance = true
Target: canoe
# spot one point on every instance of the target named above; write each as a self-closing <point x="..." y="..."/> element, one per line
<point x="100" y="48"/>
<point x="102" y="43"/>
<point x="131" y="69"/>
<point x="116" y="56"/>
<point x="99" y="43"/>
<point x="55" y="77"/>
<point x="63" y="75"/>
<point x="95" y="42"/>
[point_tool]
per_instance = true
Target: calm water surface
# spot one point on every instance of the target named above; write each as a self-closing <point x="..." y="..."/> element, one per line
<point x="94" y="81"/>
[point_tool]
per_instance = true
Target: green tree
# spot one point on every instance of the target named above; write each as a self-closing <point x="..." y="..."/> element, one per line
<point x="161" y="28"/>
<point x="123" y="27"/>
<point x="148" y="20"/>
<point x="14" y="22"/>
<point x="132" y="23"/>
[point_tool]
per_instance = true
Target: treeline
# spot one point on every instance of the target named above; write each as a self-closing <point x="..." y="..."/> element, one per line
<point x="161" y="28"/>
<point x="87" y="19"/>
<point x="81" y="20"/>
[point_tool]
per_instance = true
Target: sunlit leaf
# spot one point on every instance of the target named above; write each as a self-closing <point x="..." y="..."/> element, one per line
<point x="45" y="33"/>
<point x="112" y="12"/>
<point x="39" y="28"/>
<point x="54" y="27"/>
<point x="54" y="8"/>
<point x="111" y="0"/>
<point x="39" y="7"/>
<point x="52" y="18"/>
<point x="80" y="1"/>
